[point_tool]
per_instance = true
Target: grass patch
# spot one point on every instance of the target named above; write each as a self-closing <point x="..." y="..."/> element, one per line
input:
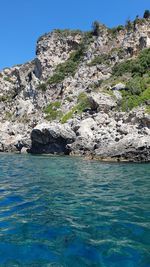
<point x="69" y="114"/>
<point x="82" y="104"/>
<point x="53" y="111"/>
<point x="101" y="59"/>
<point x="96" y="86"/>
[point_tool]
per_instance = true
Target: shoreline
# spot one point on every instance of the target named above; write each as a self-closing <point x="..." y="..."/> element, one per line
<point x="87" y="158"/>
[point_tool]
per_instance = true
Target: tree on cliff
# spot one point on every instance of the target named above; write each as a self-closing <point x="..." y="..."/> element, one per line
<point x="96" y="28"/>
<point x="146" y="14"/>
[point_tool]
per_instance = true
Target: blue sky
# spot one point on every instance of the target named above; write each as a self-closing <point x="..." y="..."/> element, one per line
<point x="23" y="21"/>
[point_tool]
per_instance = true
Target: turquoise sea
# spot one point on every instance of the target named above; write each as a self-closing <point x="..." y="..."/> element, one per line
<point x="71" y="212"/>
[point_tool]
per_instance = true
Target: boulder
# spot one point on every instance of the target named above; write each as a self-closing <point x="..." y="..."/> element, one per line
<point x="51" y="138"/>
<point x="131" y="148"/>
<point x="118" y="96"/>
<point x="119" y="86"/>
<point x="82" y="146"/>
<point x="86" y="128"/>
<point x="102" y="102"/>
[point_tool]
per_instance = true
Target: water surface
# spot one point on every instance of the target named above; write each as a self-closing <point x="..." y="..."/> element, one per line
<point x="61" y="211"/>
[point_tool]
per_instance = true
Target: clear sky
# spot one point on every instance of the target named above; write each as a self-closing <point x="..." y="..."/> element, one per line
<point x="23" y="21"/>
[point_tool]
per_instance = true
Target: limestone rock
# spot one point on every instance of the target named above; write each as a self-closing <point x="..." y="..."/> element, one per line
<point x="51" y="138"/>
<point x="102" y="102"/>
<point x="32" y="108"/>
<point x="131" y="148"/>
<point x="119" y="86"/>
<point x="86" y="128"/>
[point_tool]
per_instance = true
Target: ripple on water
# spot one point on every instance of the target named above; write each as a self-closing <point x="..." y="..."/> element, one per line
<point x="61" y="211"/>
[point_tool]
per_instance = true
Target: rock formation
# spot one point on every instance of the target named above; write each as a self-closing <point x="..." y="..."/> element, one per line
<point x="84" y="94"/>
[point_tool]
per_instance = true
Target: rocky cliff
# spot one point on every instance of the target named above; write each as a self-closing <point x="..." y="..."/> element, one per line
<point x="85" y="93"/>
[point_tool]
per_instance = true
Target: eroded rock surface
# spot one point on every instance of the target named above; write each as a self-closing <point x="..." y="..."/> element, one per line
<point x="51" y="139"/>
<point x="51" y="105"/>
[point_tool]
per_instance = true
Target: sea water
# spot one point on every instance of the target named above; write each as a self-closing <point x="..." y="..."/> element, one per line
<point x="72" y="212"/>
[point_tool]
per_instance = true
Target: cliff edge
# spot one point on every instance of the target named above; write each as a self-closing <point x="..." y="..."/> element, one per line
<point x="85" y="93"/>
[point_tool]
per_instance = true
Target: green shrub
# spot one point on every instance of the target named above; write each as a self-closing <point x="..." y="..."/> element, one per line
<point x="138" y="92"/>
<point x="129" y="25"/>
<point x="67" y="68"/>
<point x="146" y="14"/>
<point x="137" y="67"/>
<point x="145" y="95"/>
<point x="53" y="111"/>
<point x="147" y="109"/>
<point x="101" y="59"/>
<point x="132" y="101"/>
<point x="56" y="78"/>
<point x="129" y="102"/>
<point x="42" y="87"/>
<point x="82" y="104"/>
<point x="96" y="28"/>
<point x="8" y="79"/>
<point x="67" y="32"/>
<point x="69" y="114"/>
<point x="63" y="70"/>
<point x="135" y="86"/>
<point x="114" y="31"/>
<point x="88" y="37"/>
<point x="121" y="68"/>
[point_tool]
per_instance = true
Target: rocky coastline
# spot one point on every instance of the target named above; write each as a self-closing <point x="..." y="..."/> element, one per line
<point x="70" y="100"/>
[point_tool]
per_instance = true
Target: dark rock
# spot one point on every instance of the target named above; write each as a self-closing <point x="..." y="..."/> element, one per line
<point x="51" y="139"/>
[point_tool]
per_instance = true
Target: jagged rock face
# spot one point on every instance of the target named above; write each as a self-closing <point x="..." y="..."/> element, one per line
<point x="11" y="134"/>
<point x="102" y="137"/>
<point x="51" y="139"/>
<point x="101" y="130"/>
<point x="53" y="49"/>
<point x="131" y="148"/>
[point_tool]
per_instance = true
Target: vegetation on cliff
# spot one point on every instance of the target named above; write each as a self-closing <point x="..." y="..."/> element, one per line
<point x="69" y="67"/>
<point x="137" y="90"/>
<point x="53" y="111"/>
<point x="83" y="103"/>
